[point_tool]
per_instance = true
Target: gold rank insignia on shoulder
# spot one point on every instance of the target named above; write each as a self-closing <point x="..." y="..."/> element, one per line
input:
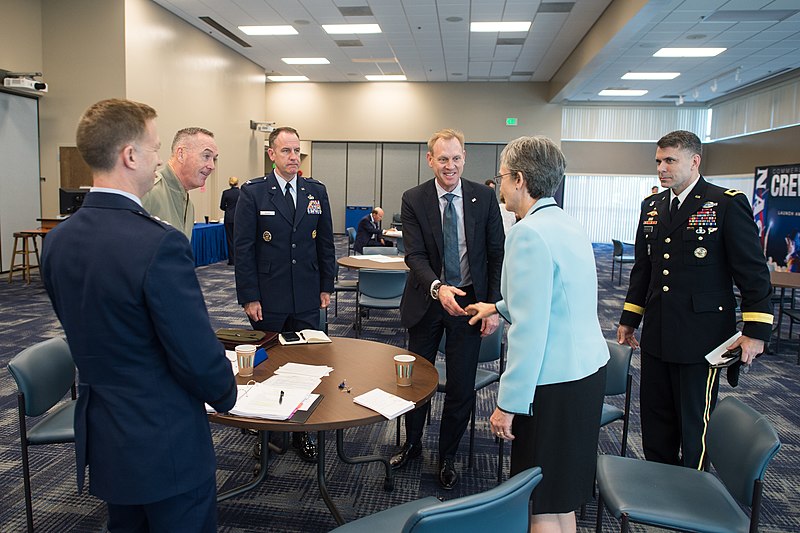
<point x="733" y="192"/>
<point x="314" y="234"/>
<point x="700" y="252"/>
<point x="267" y="236"/>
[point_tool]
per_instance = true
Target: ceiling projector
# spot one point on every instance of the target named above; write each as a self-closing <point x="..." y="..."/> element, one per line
<point x="25" y="84"/>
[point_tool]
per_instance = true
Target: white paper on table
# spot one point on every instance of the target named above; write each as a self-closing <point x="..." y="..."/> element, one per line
<point x="383" y="258"/>
<point x="714" y="357"/>
<point x="241" y="390"/>
<point x="293" y="381"/>
<point x="309" y="401"/>
<point x="317" y="371"/>
<point x="387" y="404"/>
<point x="263" y="401"/>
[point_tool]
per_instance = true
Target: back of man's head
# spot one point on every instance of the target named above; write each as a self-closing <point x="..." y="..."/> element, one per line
<point x="107" y="126"/>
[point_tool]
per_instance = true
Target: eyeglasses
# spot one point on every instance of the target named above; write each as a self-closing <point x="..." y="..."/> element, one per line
<point x="497" y="179"/>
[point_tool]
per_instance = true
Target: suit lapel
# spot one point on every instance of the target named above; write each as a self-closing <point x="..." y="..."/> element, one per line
<point x="301" y="206"/>
<point x="431" y="206"/>
<point x="470" y="208"/>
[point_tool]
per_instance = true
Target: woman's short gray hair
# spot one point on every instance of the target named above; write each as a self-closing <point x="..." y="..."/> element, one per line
<point x="541" y="162"/>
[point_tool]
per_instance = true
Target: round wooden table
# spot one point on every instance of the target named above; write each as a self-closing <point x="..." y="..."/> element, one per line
<point x="359" y="261"/>
<point x="365" y="365"/>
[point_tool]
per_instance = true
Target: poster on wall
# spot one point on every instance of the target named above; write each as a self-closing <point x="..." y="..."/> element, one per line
<point x="776" y="209"/>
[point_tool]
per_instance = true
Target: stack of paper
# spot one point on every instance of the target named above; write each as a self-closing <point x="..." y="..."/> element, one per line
<point x="380" y="258"/>
<point x="387" y="404"/>
<point x="317" y="371"/>
<point x="265" y="401"/>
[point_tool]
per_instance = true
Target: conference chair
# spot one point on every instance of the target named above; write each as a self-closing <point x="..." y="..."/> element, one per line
<point x="492" y="349"/>
<point x="342" y="285"/>
<point x="619" y="257"/>
<point x="618" y="381"/>
<point x="351" y="239"/>
<point x="379" y="250"/>
<point x="397" y="222"/>
<point x="44" y="373"/>
<point x="502" y="508"/>
<point x="740" y="444"/>
<point x="378" y="289"/>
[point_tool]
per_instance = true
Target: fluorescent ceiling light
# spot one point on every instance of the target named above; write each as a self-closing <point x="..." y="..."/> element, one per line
<point x="622" y="92"/>
<point x="287" y="78"/>
<point x="305" y="61"/>
<point x="386" y="77"/>
<point x="499" y="26"/>
<point x="689" y="52"/>
<point x="374" y="60"/>
<point x="651" y="75"/>
<point x="268" y="30"/>
<point x="343" y="29"/>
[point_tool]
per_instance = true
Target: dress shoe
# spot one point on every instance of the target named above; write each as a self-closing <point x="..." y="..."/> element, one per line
<point x="406" y="453"/>
<point x="448" y="477"/>
<point x="305" y="447"/>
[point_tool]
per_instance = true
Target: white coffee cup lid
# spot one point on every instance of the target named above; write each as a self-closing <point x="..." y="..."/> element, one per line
<point x="246" y="348"/>
<point x="404" y="358"/>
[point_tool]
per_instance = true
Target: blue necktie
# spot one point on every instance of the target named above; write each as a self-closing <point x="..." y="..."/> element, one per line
<point x="452" y="259"/>
<point x="290" y="200"/>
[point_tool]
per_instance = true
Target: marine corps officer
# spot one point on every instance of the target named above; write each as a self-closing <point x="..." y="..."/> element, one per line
<point x="693" y="242"/>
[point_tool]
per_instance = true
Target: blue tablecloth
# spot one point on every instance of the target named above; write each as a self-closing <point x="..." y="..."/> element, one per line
<point x="208" y="244"/>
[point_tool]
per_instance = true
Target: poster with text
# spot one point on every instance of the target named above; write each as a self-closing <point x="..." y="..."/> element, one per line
<point x="776" y="209"/>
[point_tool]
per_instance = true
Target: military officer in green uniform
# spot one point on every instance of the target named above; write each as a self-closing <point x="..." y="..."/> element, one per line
<point x="693" y="242"/>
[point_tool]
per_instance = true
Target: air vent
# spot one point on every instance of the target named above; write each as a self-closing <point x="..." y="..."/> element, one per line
<point x="522" y="73"/>
<point x="510" y="41"/>
<point x="555" y="7"/>
<point x="355" y="11"/>
<point x="224" y="31"/>
<point x="349" y="42"/>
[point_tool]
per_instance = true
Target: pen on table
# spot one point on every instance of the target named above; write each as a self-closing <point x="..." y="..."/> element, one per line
<point x="301" y="335"/>
<point x="280" y="399"/>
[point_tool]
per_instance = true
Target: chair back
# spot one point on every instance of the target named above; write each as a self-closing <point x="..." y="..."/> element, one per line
<point x="397" y="219"/>
<point x="618" y="250"/>
<point x="502" y="508"/>
<point x="44" y="373"/>
<point x="741" y="443"/>
<point x="323" y="320"/>
<point x="618" y="367"/>
<point x="383" y="284"/>
<point x="378" y="250"/>
<point x="401" y="247"/>
<point x="351" y="235"/>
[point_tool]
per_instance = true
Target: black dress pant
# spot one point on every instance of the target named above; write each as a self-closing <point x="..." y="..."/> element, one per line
<point x="676" y="401"/>
<point x="461" y="356"/>
<point x="229" y="241"/>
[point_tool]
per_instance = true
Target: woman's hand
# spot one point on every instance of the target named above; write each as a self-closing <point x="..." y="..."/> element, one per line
<point x="501" y="424"/>
<point x="479" y="311"/>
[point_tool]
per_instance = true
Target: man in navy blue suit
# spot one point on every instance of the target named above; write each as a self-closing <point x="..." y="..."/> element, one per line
<point x="285" y="258"/>
<point x="448" y="218"/>
<point x="369" y="231"/>
<point x="124" y="288"/>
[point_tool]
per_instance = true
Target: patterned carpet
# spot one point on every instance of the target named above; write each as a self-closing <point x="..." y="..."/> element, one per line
<point x="289" y="500"/>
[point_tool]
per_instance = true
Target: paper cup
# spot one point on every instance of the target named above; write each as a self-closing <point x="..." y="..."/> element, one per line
<point x="403" y="366"/>
<point x="245" y="353"/>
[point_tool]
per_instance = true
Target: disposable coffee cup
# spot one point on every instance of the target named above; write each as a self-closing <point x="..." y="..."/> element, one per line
<point x="206" y="217"/>
<point x="245" y="353"/>
<point x="403" y="366"/>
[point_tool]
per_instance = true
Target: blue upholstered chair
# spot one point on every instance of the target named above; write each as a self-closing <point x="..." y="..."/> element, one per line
<point x="342" y="285"/>
<point x="503" y="508"/>
<point x="378" y="289"/>
<point x="379" y="250"/>
<point x="740" y="444"/>
<point x="44" y="374"/>
<point x="620" y="257"/>
<point x="351" y="239"/>
<point x="618" y="381"/>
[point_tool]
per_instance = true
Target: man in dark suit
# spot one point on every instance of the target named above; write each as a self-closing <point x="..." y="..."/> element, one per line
<point x="285" y="258"/>
<point x="369" y="231"/>
<point x="453" y="235"/>
<point x="124" y="288"/>
<point x="228" y="205"/>
<point x="694" y="241"/>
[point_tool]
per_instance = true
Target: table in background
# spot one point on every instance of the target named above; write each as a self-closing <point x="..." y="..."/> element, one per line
<point x="208" y="244"/>
<point x="365" y="365"/>
<point x="358" y="262"/>
<point x="783" y="281"/>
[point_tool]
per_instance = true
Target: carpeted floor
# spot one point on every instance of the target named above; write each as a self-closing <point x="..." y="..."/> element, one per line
<point x="289" y="500"/>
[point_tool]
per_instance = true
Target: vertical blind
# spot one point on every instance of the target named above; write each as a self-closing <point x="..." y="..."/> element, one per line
<point x="763" y="110"/>
<point x="594" y="123"/>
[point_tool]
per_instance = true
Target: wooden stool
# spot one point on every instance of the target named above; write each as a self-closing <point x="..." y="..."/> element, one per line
<point x="25" y="238"/>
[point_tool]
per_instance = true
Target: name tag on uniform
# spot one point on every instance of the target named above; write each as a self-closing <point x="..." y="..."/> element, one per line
<point x="267" y="213"/>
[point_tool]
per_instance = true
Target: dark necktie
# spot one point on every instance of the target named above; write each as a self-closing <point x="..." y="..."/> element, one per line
<point x="452" y="260"/>
<point x="673" y="208"/>
<point x="289" y="199"/>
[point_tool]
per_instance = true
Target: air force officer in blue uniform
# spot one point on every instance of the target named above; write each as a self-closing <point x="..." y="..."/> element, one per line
<point x="124" y="288"/>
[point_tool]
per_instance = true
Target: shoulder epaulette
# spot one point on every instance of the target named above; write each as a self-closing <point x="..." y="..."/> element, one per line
<point x="733" y="192"/>
<point x="256" y="180"/>
<point x="313" y="180"/>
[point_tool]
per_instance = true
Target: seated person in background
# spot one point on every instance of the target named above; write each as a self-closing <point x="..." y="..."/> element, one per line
<point x="369" y="231"/>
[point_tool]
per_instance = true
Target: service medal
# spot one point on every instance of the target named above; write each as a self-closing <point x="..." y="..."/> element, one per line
<point x="709" y="205"/>
<point x="700" y="252"/>
<point x="314" y="234"/>
<point x="700" y="231"/>
<point x="267" y="236"/>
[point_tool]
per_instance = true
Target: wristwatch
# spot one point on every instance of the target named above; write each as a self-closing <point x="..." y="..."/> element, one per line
<point x="435" y="289"/>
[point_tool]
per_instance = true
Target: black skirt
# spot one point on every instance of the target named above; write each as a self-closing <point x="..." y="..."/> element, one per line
<point x="561" y="438"/>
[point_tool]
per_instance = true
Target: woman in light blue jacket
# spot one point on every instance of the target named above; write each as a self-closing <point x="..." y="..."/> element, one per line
<point x="551" y="393"/>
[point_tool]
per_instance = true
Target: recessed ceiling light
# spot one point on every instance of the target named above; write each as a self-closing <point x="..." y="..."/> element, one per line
<point x="305" y="61"/>
<point x="287" y="78"/>
<point x="622" y="92"/>
<point x="386" y="77"/>
<point x="499" y="26"/>
<point x="650" y="75"/>
<point x="339" y="29"/>
<point x="374" y="60"/>
<point x="268" y="30"/>
<point x="454" y="19"/>
<point x="689" y="52"/>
